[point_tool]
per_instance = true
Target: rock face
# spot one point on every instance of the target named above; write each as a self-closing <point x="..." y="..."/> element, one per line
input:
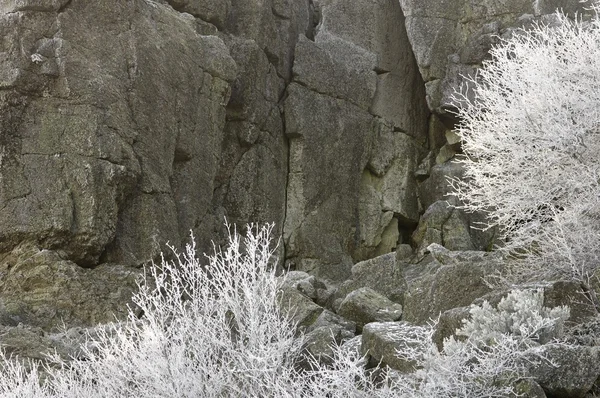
<point x="452" y="38"/>
<point x="102" y="143"/>
<point x="124" y="127"/>
<point x="356" y="123"/>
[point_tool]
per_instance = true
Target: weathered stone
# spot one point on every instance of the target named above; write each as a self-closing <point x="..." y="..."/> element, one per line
<point x="102" y="139"/>
<point x="569" y="371"/>
<point x="273" y="25"/>
<point x="328" y="319"/>
<point x="378" y="27"/>
<point x="318" y="343"/>
<point x="382" y="274"/>
<point x="320" y="70"/>
<point x="527" y="388"/>
<point x="365" y="305"/>
<point x="301" y="310"/>
<point x="349" y="62"/>
<point x="31" y="343"/>
<point x="445" y="154"/>
<point x="39" y="288"/>
<point x="382" y="341"/>
<point x="448" y="280"/>
<point x="388" y="191"/>
<point x="445" y="225"/>
<point x="571" y="294"/>
<point x="437" y="187"/>
<point x="450" y="39"/>
<point x="320" y="220"/>
<point x="213" y="11"/>
<point x="437" y="132"/>
<point x="447" y="324"/>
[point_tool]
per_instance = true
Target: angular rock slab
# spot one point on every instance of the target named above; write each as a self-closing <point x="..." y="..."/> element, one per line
<point x="383" y="342"/>
<point x="382" y="274"/>
<point x="572" y="372"/>
<point x="448" y="280"/>
<point x="365" y="305"/>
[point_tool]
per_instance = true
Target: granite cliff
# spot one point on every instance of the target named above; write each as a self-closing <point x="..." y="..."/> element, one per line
<point x="127" y="124"/>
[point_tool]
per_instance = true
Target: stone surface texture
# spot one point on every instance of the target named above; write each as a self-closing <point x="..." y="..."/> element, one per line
<point x="127" y="125"/>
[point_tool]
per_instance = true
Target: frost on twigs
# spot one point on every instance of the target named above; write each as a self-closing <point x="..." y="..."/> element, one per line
<point x="531" y="138"/>
<point x="520" y="313"/>
<point x="489" y="357"/>
<point x="206" y="330"/>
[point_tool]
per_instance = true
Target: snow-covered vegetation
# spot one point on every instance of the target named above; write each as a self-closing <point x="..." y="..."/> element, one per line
<point x="531" y="138"/>
<point x="530" y="132"/>
<point x="216" y="330"/>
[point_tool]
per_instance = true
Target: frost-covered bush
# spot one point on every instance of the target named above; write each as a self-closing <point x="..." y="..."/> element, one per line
<point x="489" y="359"/>
<point x="211" y="330"/>
<point x="20" y="379"/>
<point x="520" y="313"/>
<point x="216" y="330"/>
<point x="531" y="138"/>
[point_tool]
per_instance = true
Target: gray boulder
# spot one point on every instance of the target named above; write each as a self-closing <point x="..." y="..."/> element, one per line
<point x="568" y="372"/>
<point x="382" y="342"/>
<point x="297" y="307"/>
<point x="445" y="225"/>
<point x="446" y="280"/>
<point x="328" y="319"/>
<point x="41" y="289"/>
<point x="382" y="274"/>
<point x="365" y="305"/>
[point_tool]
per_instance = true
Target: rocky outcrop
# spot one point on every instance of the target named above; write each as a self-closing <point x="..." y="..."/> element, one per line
<point x="108" y="114"/>
<point x="356" y="124"/>
<point x="126" y="128"/>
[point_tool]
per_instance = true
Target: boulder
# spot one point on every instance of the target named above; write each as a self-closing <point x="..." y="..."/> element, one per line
<point x="40" y="289"/>
<point x="446" y="280"/>
<point x="344" y="327"/>
<point x="301" y="310"/>
<point x="365" y="305"/>
<point x="445" y="225"/>
<point x="319" y="344"/>
<point x="26" y="342"/>
<point x="382" y="274"/>
<point x="382" y="342"/>
<point x="527" y="388"/>
<point x="567" y="371"/>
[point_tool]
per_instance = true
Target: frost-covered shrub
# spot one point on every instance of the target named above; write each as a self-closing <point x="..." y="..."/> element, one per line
<point x="520" y="313"/>
<point x="489" y="359"/>
<point x="531" y="138"/>
<point x="19" y="379"/>
<point x="216" y="330"/>
<point x="211" y="330"/>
